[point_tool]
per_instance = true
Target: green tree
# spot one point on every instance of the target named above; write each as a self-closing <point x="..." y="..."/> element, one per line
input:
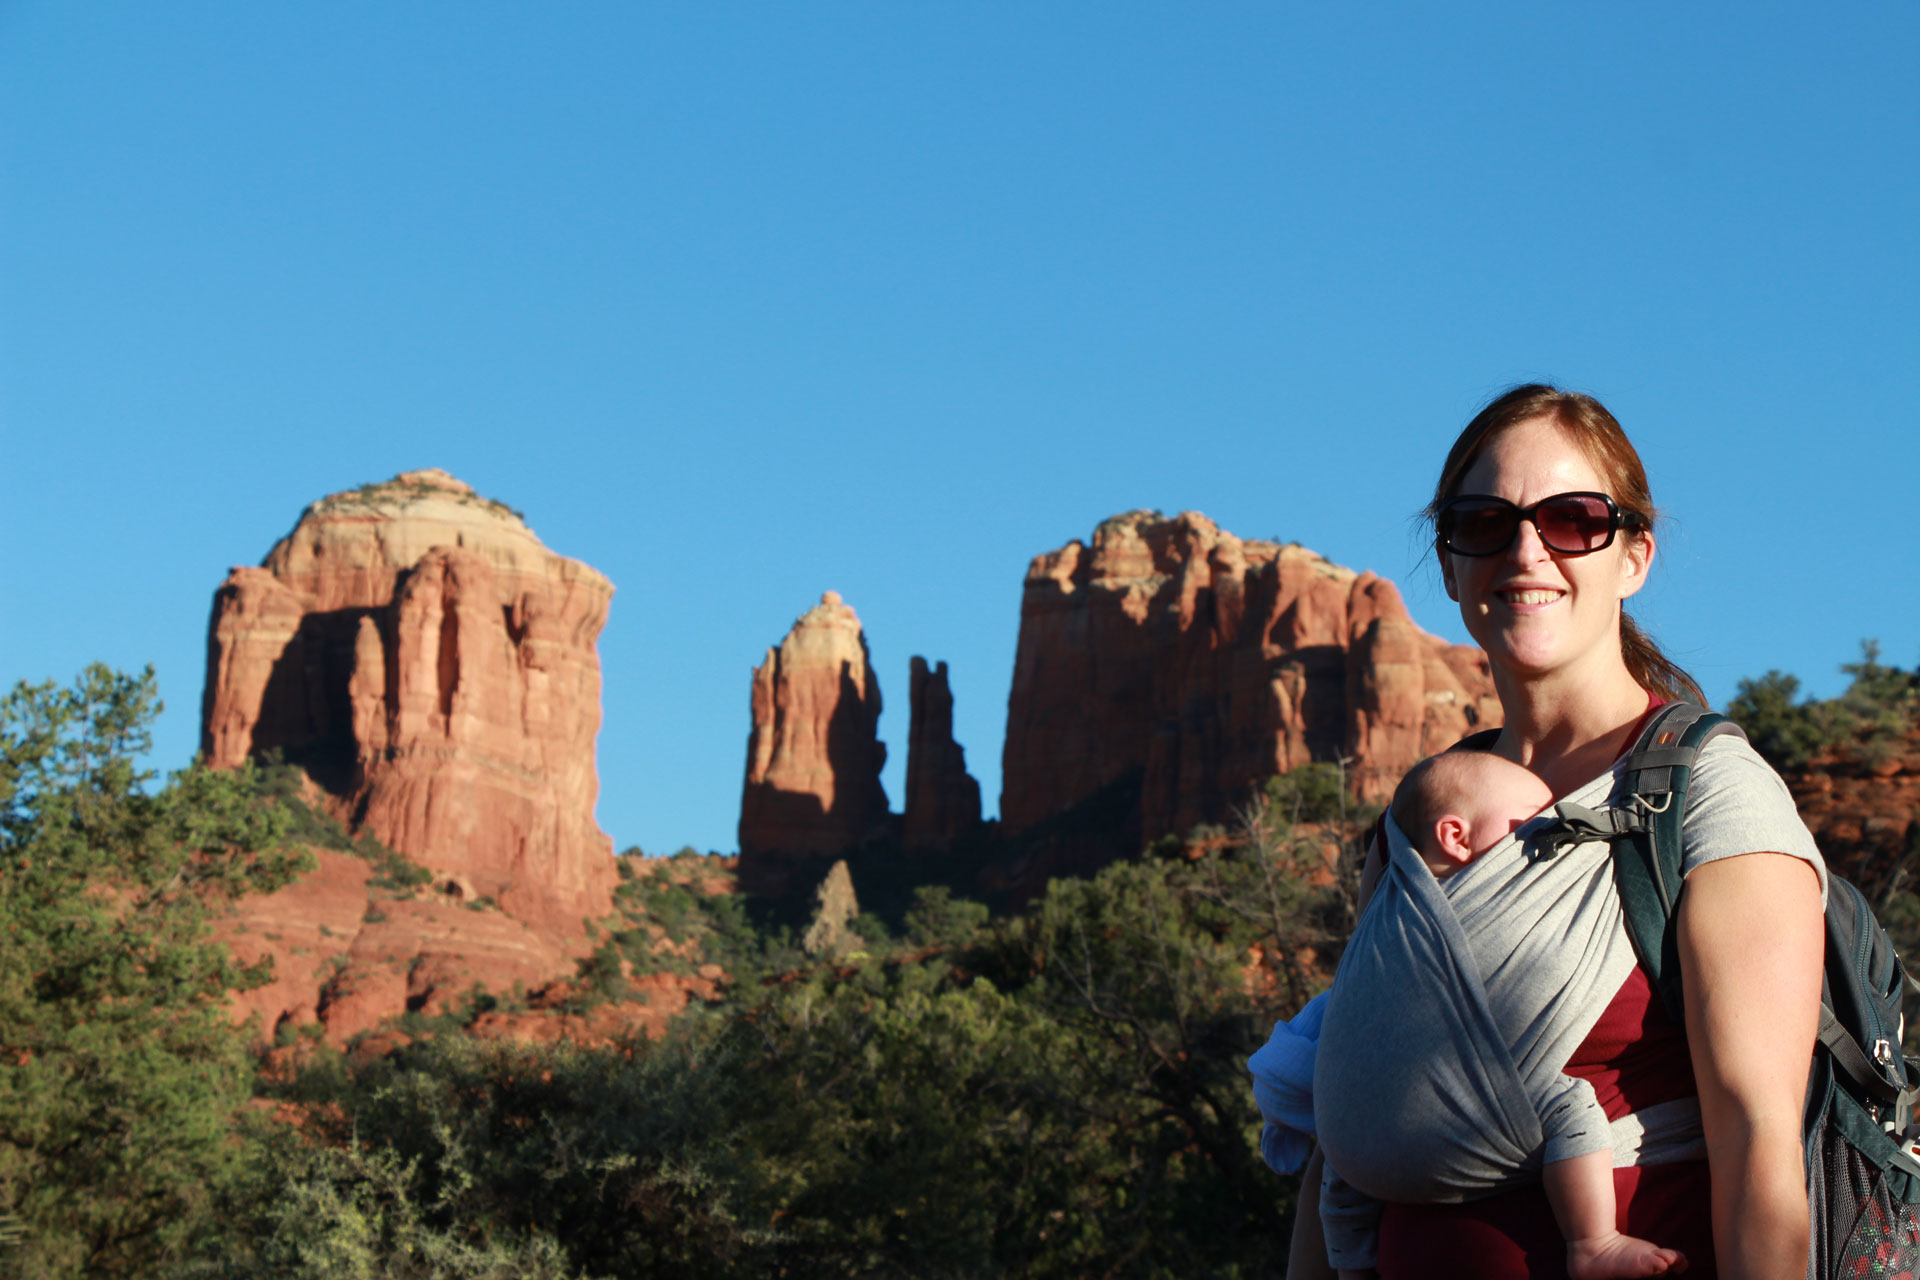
<point x="1787" y="733"/>
<point x="120" y="1068"/>
<point x="471" y="1159"/>
<point x="1880" y="706"/>
<point x="937" y="918"/>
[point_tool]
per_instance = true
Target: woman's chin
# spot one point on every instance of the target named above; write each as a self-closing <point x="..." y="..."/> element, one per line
<point x="1526" y="660"/>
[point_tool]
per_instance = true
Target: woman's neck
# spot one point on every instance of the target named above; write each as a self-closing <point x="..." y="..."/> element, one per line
<point x="1569" y="726"/>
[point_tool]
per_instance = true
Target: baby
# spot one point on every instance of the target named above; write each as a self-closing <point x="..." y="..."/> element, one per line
<point x="1453" y="807"/>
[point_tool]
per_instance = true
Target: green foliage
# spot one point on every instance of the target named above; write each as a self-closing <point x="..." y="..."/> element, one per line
<point x="1059" y="1093"/>
<point x="1881" y="704"/>
<point x="464" y="1158"/>
<point x="120" y="1071"/>
<point x="1052" y="1095"/>
<point x="1787" y="733"/>
<point x="938" y="919"/>
<point x="383" y="492"/>
<point x="600" y="978"/>
<point x="276" y="780"/>
<point x="1296" y="880"/>
<point x="1314" y="792"/>
<point x="651" y="903"/>
<point x="344" y="1210"/>
<point x="1867" y="722"/>
<point x="871" y="930"/>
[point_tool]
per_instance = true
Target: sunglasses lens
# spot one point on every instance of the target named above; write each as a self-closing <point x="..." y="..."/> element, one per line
<point x="1479" y="528"/>
<point x="1575" y="522"/>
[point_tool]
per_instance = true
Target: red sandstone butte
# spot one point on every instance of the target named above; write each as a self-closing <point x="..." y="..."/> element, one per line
<point x="431" y="665"/>
<point x="814" y="755"/>
<point x="1194" y="663"/>
<point x="943" y="800"/>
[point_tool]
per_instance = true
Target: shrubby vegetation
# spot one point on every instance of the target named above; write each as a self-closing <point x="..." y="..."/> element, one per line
<point x="379" y="492"/>
<point x="1057" y="1092"/>
<point x="121" y="1075"/>
<point x="1866" y="723"/>
<point x="278" y="782"/>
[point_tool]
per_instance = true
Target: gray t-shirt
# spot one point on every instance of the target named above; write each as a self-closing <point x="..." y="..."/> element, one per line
<point x="1413" y="1105"/>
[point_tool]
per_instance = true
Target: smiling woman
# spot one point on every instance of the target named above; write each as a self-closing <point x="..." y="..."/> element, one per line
<point x="1544" y="527"/>
<point x="1525" y="434"/>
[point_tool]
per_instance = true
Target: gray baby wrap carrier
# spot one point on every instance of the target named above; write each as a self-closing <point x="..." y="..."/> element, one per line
<point x="1439" y="1076"/>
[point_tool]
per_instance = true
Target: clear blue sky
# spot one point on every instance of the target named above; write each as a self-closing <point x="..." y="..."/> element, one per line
<point x="743" y="302"/>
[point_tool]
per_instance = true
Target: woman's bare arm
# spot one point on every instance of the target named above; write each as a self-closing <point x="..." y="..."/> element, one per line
<point x="1307" y="1255"/>
<point x="1751" y="940"/>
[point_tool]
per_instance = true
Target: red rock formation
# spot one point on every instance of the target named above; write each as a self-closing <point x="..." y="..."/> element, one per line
<point x="1192" y="664"/>
<point x="814" y="757"/>
<point x="943" y="800"/>
<point x="1863" y="807"/>
<point x="431" y="665"/>
<point x="348" y="954"/>
<point x="655" y="999"/>
<point x="1408" y="693"/>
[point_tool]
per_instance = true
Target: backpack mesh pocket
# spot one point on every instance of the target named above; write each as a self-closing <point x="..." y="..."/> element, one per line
<point x="1860" y="1200"/>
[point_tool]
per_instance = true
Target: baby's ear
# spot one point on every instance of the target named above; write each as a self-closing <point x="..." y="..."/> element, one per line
<point x="1454" y="838"/>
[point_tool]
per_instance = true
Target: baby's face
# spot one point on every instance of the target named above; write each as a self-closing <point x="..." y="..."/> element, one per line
<point x="1500" y="797"/>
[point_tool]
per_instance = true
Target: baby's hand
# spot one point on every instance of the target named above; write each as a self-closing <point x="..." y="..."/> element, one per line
<point x="1620" y="1257"/>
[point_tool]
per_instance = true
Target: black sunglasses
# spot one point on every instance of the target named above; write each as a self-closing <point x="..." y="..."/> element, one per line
<point x="1572" y="524"/>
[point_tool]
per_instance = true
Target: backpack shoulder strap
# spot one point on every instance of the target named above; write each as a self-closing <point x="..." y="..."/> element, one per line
<point x="1649" y="809"/>
<point x="1645" y="827"/>
<point x="1481" y="741"/>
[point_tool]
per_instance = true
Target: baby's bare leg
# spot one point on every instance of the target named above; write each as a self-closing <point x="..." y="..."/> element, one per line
<point x="1581" y="1192"/>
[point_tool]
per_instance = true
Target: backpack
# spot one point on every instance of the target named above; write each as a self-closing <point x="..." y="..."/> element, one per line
<point x="1863" y="1188"/>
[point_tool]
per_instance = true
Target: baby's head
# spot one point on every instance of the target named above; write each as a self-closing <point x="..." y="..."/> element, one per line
<point x="1458" y="804"/>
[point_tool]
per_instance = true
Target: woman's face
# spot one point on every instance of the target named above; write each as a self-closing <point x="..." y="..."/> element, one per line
<point x="1534" y="610"/>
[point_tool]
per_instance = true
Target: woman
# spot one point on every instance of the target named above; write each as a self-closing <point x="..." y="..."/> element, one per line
<point x="1544" y="527"/>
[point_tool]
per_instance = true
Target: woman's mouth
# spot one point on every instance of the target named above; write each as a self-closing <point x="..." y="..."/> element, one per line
<point x="1531" y="596"/>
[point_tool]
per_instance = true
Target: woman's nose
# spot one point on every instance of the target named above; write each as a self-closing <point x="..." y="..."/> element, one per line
<point x="1526" y="547"/>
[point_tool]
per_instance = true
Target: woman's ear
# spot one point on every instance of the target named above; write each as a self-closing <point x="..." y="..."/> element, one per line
<point x="1636" y="562"/>
<point x="1446" y="575"/>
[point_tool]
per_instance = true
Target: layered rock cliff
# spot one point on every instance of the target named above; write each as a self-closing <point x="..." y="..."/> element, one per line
<point x="431" y="666"/>
<point x="1174" y="658"/>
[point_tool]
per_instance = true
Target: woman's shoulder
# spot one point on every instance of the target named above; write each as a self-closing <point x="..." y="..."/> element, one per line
<point x="1737" y="803"/>
<point x="1728" y="770"/>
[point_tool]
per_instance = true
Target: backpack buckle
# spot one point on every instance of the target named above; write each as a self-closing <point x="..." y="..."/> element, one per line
<point x="1576" y="825"/>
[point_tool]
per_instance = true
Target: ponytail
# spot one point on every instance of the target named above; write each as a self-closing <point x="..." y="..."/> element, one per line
<point x="1653" y="670"/>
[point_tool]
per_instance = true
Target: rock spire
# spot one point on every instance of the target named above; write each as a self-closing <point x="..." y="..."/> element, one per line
<point x="943" y="800"/>
<point x="813" y="754"/>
